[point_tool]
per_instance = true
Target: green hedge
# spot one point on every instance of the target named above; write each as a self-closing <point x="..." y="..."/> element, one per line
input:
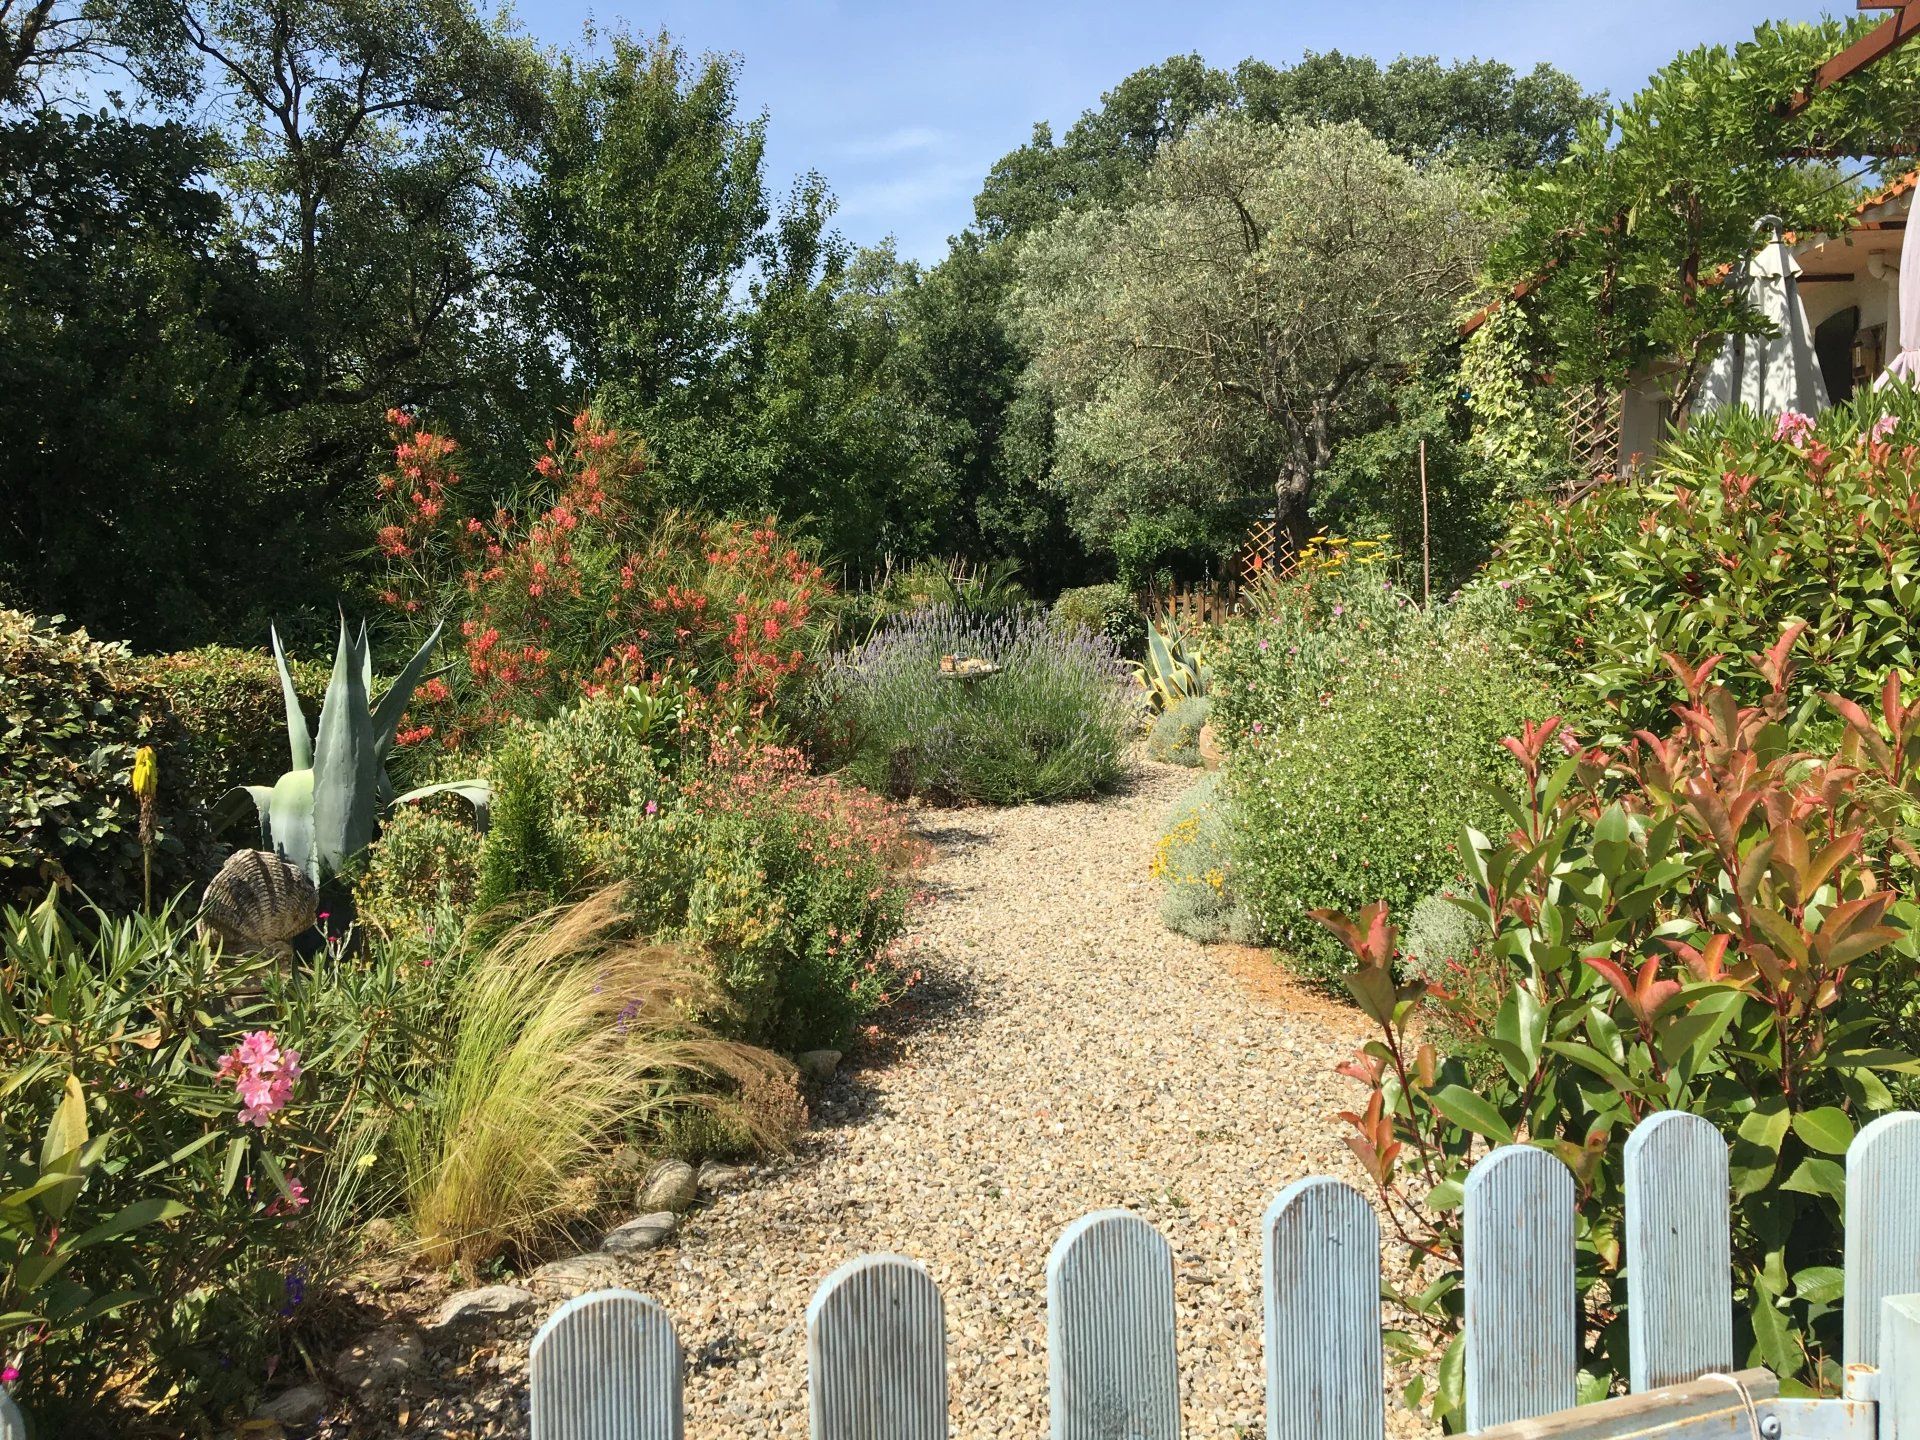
<point x="231" y="718"/>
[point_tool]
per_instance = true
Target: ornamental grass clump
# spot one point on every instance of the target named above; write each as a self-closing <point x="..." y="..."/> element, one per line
<point x="1050" y="721"/>
<point x="568" y="1033"/>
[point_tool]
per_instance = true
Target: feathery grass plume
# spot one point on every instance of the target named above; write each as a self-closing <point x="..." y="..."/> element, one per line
<point x="568" y="1028"/>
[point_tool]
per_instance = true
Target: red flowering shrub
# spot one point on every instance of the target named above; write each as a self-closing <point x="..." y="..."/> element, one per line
<point x="591" y="590"/>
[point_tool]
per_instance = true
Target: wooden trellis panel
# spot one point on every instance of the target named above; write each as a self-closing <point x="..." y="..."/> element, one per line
<point x="1591" y="419"/>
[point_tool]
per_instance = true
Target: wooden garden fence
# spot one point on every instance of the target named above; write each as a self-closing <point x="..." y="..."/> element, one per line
<point x="608" y="1365"/>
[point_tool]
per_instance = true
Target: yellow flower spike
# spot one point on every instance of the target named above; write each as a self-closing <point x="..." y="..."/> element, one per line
<point x="146" y="774"/>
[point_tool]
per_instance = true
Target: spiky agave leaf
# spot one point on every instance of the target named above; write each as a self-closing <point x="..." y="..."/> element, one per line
<point x="299" y="737"/>
<point x="346" y="768"/>
<point x="393" y="704"/>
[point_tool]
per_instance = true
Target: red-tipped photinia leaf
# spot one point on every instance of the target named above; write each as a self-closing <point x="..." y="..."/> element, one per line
<point x="1644" y="993"/>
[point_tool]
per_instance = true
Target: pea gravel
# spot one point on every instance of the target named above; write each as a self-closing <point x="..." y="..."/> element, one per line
<point x="1064" y="1053"/>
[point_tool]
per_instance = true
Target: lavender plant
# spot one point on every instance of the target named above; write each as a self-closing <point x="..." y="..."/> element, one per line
<point x="1049" y="723"/>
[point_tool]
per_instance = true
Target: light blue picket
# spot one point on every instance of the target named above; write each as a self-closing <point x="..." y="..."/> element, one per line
<point x="605" y="1366"/>
<point x="13" y="1425"/>
<point x="1520" y="1338"/>
<point x="1321" y="1257"/>
<point x="877" y="1353"/>
<point x="1679" y="1253"/>
<point x="1112" y="1368"/>
<point x="1882" y="1227"/>
<point x="1899" y="1361"/>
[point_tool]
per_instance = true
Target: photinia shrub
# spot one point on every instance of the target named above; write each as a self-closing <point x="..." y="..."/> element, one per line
<point x="590" y="590"/>
<point x="1742" y="526"/>
<point x="1712" y="920"/>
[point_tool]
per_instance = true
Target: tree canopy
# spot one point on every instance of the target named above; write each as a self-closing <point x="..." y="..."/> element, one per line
<point x="1209" y="343"/>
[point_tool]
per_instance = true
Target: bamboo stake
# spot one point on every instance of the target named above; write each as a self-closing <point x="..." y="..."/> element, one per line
<point x="1426" y="536"/>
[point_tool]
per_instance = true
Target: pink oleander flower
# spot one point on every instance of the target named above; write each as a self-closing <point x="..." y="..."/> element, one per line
<point x="295" y="1200"/>
<point x="1793" y="428"/>
<point x="1884" y="426"/>
<point x="263" y="1075"/>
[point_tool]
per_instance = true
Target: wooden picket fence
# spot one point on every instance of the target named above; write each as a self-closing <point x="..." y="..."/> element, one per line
<point x="1193" y="605"/>
<point x="608" y="1365"/>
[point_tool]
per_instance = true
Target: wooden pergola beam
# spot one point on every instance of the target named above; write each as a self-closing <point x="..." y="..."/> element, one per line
<point x="1886" y="37"/>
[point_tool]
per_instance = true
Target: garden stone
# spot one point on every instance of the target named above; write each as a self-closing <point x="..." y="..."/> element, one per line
<point x="489" y="1302"/>
<point x="672" y="1186"/>
<point x="647" y="1232"/>
<point x="818" y="1065"/>
<point x="715" y="1177"/>
<point x="563" y="1279"/>
<point x="379" y="1360"/>
<point x="300" y="1408"/>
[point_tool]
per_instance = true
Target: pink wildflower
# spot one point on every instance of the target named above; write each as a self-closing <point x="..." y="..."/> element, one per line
<point x="1884" y="426"/>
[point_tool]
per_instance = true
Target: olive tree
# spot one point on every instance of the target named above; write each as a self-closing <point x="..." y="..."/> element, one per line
<point x="1209" y="343"/>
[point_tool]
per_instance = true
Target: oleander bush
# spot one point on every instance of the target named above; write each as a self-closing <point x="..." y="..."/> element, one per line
<point x="1050" y="723"/>
<point x="161" y="1108"/>
<point x="1718" y="918"/>
<point x="1742" y="526"/>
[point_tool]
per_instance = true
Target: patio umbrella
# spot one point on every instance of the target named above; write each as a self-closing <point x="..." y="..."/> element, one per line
<point x="1906" y="364"/>
<point x="1770" y="373"/>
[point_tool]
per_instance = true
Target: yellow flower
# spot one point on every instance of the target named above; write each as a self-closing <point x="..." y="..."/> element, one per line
<point x="146" y="774"/>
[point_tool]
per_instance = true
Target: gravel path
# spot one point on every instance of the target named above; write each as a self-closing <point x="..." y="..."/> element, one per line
<point x="1070" y="1054"/>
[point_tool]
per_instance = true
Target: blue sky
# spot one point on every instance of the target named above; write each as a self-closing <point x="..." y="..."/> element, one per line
<point x="903" y="106"/>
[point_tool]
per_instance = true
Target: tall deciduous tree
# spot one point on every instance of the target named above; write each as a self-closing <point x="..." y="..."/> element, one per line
<point x="1214" y="339"/>
<point x="646" y="208"/>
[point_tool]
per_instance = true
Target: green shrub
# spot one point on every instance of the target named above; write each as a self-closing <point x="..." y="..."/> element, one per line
<point x="1194" y="862"/>
<point x="1741" y="527"/>
<point x="522" y="857"/>
<point x="1310" y="636"/>
<point x="1673" y="927"/>
<point x="232" y="727"/>
<point x="422" y="870"/>
<point x="1363" y="797"/>
<point x="800" y="893"/>
<point x="72" y="712"/>
<point x="1175" y="738"/>
<point x="1051" y="724"/>
<point x="1108" y="610"/>
<point x="794" y="885"/>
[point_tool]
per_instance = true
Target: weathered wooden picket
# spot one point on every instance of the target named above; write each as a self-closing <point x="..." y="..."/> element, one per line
<point x="607" y="1366"/>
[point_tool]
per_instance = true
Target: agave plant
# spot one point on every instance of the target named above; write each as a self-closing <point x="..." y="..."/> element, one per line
<point x="324" y="810"/>
<point x="1174" y="669"/>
